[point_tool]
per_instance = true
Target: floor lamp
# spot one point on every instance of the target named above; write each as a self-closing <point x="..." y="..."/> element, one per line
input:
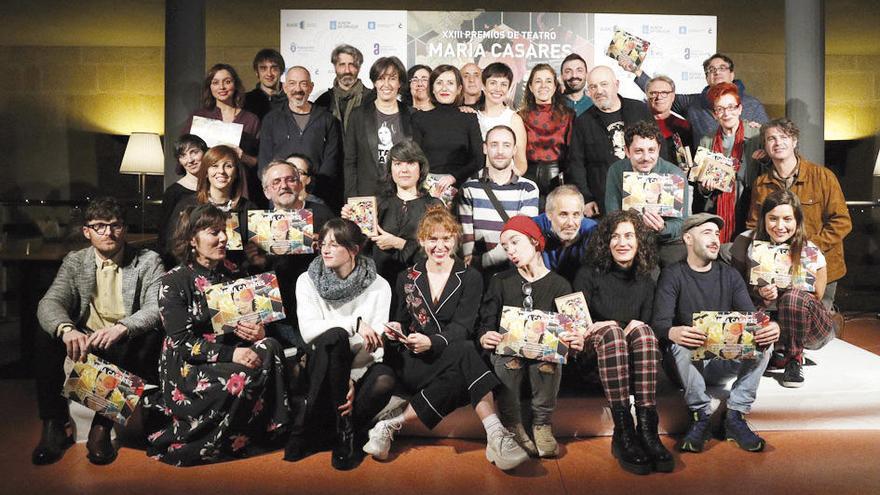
<point x="143" y="156"/>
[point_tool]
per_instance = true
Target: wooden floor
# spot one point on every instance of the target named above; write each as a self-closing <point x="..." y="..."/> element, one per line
<point x="839" y="462"/>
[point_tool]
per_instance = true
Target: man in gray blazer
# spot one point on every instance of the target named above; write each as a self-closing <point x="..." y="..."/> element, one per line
<point x="104" y="300"/>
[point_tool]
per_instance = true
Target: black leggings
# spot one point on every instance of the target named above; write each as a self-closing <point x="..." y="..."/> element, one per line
<point x="372" y="393"/>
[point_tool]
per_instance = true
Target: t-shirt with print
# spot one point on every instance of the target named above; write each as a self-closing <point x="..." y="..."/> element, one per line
<point x="613" y="123"/>
<point x="388" y="129"/>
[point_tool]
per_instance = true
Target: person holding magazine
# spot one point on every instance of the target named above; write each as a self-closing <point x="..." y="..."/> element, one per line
<point x="342" y="305"/>
<point x="224" y="396"/>
<point x="431" y="348"/>
<point x="738" y="140"/>
<point x="532" y="286"/>
<point x="804" y="321"/>
<point x="616" y="281"/>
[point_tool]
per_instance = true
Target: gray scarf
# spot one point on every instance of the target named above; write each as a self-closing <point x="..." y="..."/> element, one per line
<point x="332" y="288"/>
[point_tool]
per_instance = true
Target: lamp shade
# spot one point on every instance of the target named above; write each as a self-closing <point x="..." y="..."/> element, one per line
<point x="143" y="155"/>
<point x="877" y="166"/>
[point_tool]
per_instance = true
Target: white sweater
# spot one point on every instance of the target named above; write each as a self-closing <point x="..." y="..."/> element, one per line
<point x="317" y="315"/>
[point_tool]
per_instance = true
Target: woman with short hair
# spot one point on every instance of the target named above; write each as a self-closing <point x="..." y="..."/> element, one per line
<point x="497" y="83"/>
<point x="188" y="150"/>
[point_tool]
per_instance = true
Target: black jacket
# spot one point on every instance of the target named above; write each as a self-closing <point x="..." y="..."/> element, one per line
<point x="591" y="154"/>
<point x="360" y="165"/>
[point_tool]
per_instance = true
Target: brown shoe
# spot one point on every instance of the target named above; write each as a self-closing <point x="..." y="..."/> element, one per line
<point x="101" y="451"/>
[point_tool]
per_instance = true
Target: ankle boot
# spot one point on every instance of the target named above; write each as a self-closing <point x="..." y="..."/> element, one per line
<point x="54" y="441"/>
<point x="100" y="449"/>
<point x="298" y="445"/>
<point x="624" y="444"/>
<point x="661" y="459"/>
<point x="344" y="456"/>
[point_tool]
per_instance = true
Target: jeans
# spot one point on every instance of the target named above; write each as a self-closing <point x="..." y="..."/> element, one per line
<point x="544" y="388"/>
<point x="695" y="375"/>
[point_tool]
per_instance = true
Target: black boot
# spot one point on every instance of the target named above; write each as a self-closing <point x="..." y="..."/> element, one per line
<point x="54" y="440"/>
<point x="344" y="456"/>
<point x="298" y="445"/>
<point x="661" y="459"/>
<point x="624" y="444"/>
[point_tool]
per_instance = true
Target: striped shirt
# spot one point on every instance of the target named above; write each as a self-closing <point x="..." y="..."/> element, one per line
<point x="481" y="223"/>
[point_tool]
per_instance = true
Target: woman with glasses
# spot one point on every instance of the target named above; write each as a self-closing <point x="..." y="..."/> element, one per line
<point x="494" y="111"/>
<point x="450" y="138"/>
<point x="531" y="286"/>
<point x="616" y="281"/>
<point x="342" y="305"/>
<point x="188" y="150"/>
<point x="402" y="205"/>
<point x="548" y="122"/>
<point x="223" y="99"/>
<point x="225" y="395"/>
<point x="418" y="96"/>
<point x="739" y="140"/>
<point x="374" y="128"/>
<point x="431" y="348"/>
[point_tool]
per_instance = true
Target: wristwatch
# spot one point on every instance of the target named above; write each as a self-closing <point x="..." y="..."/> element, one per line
<point x="64" y="328"/>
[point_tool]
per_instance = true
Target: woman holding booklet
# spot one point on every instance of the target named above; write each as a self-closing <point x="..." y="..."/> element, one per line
<point x="789" y="274"/>
<point x="225" y="395"/>
<point x="531" y="286"/>
<point x="431" y="345"/>
<point x="342" y="305"/>
<point x="617" y="283"/>
<point x="739" y="140"/>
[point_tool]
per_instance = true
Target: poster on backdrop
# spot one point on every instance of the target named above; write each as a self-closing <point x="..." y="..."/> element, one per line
<point x="678" y="44"/>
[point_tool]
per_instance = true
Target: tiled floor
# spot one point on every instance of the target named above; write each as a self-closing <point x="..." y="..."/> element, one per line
<point x="839" y="462"/>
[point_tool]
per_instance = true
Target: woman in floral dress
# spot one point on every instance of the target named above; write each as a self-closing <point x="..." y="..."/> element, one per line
<point x="225" y="395"/>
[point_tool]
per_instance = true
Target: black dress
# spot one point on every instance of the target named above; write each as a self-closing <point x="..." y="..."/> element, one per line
<point x="400" y="218"/>
<point x="217" y="409"/>
<point x="451" y="140"/>
<point x="167" y="222"/>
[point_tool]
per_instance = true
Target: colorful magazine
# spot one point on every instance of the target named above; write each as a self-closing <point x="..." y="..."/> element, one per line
<point x="660" y="193"/>
<point x="254" y="299"/>
<point x="102" y="387"/>
<point x="433" y="187"/>
<point x="715" y="169"/>
<point x="534" y="334"/>
<point x="233" y="233"/>
<point x="771" y="264"/>
<point x="365" y="213"/>
<point x="682" y="154"/>
<point x="628" y="49"/>
<point x="282" y="231"/>
<point x="575" y="307"/>
<point x="729" y="334"/>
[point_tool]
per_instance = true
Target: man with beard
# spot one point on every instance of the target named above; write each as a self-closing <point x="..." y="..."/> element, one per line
<point x="597" y="140"/>
<point x="348" y="92"/>
<point x="574" y="76"/>
<point x="472" y="89"/>
<point x="699" y="283"/>
<point x="303" y="128"/>
<point x="268" y="95"/>
<point x="566" y="230"/>
<point x="490" y="198"/>
<point x="642" y="141"/>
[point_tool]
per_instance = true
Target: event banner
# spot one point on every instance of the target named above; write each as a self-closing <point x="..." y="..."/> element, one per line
<point x="677" y="44"/>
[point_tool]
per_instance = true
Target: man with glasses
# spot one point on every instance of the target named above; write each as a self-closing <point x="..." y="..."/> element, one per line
<point x="676" y="131"/>
<point x="304" y="128"/>
<point x="696" y="107"/>
<point x="103" y="301"/>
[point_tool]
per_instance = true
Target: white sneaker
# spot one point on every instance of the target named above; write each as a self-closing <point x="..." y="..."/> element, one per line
<point x="380" y="440"/>
<point x="503" y="451"/>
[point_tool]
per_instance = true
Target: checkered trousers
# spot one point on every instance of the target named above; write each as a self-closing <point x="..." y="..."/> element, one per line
<point x="804" y="323"/>
<point x="625" y="362"/>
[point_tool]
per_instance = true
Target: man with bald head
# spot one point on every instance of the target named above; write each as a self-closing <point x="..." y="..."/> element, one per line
<point x="303" y="128"/>
<point x="597" y="140"/>
<point x="472" y="87"/>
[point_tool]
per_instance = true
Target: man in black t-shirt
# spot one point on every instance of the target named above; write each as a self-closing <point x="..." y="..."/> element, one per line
<point x="268" y="66"/>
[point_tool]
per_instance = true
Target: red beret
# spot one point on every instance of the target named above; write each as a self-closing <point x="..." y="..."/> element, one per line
<point x="526" y="226"/>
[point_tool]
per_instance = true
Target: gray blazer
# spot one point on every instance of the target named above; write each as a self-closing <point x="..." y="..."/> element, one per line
<point x="67" y="300"/>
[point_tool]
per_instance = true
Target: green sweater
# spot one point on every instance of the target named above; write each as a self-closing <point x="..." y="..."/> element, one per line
<point x="614" y="194"/>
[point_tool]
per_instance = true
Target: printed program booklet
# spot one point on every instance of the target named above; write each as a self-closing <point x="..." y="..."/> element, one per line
<point x="365" y="214"/>
<point x="729" y="334"/>
<point x="534" y="334"/>
<point x="102" y="387"/>
<point x="771" y="264"/>
<point x="715" y="167"/>
<point x="660" y="193"/>
<point x="575" y="307"/>
<point x="254" y="299"/>
<point x="432" y="185"/>
<point x="233" y="233"/>
<point x="282" y="231"/>
<point x="628" y="48"/>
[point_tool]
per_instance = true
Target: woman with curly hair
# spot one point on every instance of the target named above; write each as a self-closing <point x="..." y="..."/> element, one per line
<point x="617" y="283"/>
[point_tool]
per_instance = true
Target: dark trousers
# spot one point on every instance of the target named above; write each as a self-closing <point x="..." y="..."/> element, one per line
<point x="139" y="355"/>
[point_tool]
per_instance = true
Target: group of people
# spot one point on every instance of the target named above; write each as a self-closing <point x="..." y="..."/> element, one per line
<point x="535" y="213"/>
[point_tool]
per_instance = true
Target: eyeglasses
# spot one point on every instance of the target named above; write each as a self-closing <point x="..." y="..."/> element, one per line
<point x="290" y="179"/>
<point x="656" y="95"/>
<point x="728" y="109"/>
<point x="101" y="228"/>
<point x="527" y="296"/>
<point x="419" y="80"/>
<point x="715" y="70"/>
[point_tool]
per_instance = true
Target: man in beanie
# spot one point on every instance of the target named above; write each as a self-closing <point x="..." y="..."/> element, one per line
<point x="699" y="283"/>
<point x="531" y="286"/>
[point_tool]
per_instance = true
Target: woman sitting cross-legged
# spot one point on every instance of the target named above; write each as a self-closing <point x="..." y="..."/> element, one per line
<point x="341" y="306"/>
<point x="531" y="285"/>
<point x="436" y="361"/>
<point x="620" y="293"/>
<point x="226" y="396"/>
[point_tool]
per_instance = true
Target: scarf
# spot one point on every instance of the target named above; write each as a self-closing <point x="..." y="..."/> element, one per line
<point x="332" y="288"/>
<point x="353" y="97"/>
<point x="726" y="204"/>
